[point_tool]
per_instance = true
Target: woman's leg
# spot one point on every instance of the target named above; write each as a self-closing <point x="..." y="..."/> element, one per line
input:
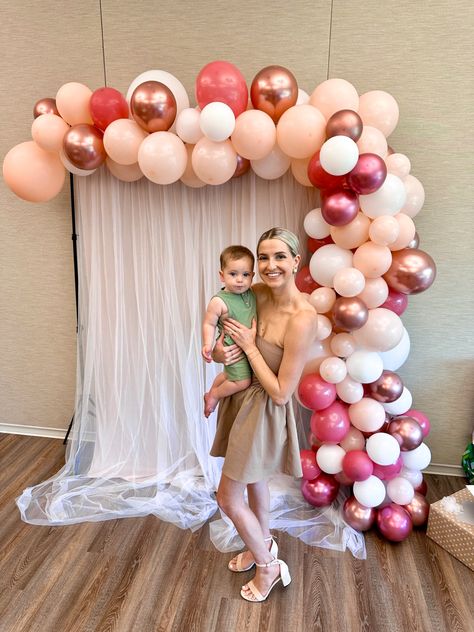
<point x="259" y="502"/>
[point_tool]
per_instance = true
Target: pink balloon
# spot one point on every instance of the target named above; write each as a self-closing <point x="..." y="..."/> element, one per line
<point x="301" y="131"/>
<point x="73" y="101"/>
<point x="309" y="466"/>
<point x="162" y="157"/>
<point x="421" y="418"/>
<point x="122" y="140"/>
<point x="214" y="163"/>
<point x="331" y="424"/>
<point x="48" y="131"/>
<point x="254" y="135"/>
<point x="334" y="95"/>
<point x="396" y="302"/>
<point x="372" y="141"/>
<point x="33" y="174"/>
<point x="368" y="175"/>
<point x="387" y="472"/>
<point x="357" y="465"/>
<point x="315" y="393"/>
<point x="379" y="108"/>
<point x="222" y="81"/>
<point x="394" y="522"/>
<point x="320" y="492"/>
<point x="339" y="208"/>
<point x="126" y="173"/>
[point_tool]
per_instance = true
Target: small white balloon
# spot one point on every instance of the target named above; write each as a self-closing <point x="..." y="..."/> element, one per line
<point x="400" y="491"/>
<point x="217" y="121"/>
<point x="417" y="459"/>
<point x="326" y="261"/>
<point x="370" y="492"/>
<point x="393" y="359"/>
<point x="400" y="405"/>
<point x="339" y="155"/>
<point x="315" y="225"/>
<point x="388" y="200"/>
<point x="364" y="366"/>
<point x="333" y="370"/>
<point x="414" y="476"/>
<point x="188" y="125"/>
<point x="329" y="457"/>
<point x="382" y="448"/>
<point x="350" y="391"/>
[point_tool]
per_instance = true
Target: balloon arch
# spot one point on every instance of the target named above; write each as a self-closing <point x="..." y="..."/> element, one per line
<point x="365" y="259"/>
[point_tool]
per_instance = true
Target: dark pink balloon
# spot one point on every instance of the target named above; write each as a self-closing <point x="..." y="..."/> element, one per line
<point x="368" y="175"/>
<point x="322" y="491"/>
<point x="357" y="465"/>
<point x="396" y="301"/>
<point x="222" y="81"/>
<point x="357" y="516"/>
<point x="331" y="424"/>
<point x="421" y="418"/>
<point x="419" y="509"/>
<point x="316" y="244"/>
<point x="308" y="464"/>
<point x="339" y="207"/>
<point x="387" y="472"/>
<point x="316" y="393"/>
<point x="394" y="522"/>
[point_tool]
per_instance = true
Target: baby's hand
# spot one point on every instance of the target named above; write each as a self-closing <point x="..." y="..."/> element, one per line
<point x="206" y="352"/>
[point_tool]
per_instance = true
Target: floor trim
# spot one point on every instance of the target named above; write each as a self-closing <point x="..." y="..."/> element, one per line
<point x="33" y="431"/>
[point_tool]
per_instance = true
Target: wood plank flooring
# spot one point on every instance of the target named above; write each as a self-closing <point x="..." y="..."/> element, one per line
<point x="143" y="575"/>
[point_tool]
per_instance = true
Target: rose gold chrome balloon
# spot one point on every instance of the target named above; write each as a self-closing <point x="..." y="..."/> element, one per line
<point x="419" y="509"/>
<point x="243" y="165"/>
<point x="357" y="516"/>
<point x="83" y="146"/>
<point x="153" y="106"/>
<point x="387" y="388"/>
<point x="45" y="106"/>
<point x="350" y="313"/>
<point x="274" y="90"/>
<point x="345" y="123"/>
<point x="412" y="271"/>
<point x="407" y="431"/>
<point x="415" y="242"/>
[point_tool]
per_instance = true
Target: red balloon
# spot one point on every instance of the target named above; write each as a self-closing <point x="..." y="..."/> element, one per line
<point x="308" y="464"/>
<point x="320" y="492"/>
<point x="315" y="244"/>
<point x="107" y="105"/>
<point x="304" y="281"/>
<point x="421" y="418"/>
<point x="332" y="423"/>
<point x="357" y="465"/>
<point x="368" y="175"/>
<point x="315" y="393"/>
<point x="322" y="179"/>
<point x="339" y="207"/>
<point x="222" y="81"/>
<point x="394" y="522"/>
<point x="396" y="301"/>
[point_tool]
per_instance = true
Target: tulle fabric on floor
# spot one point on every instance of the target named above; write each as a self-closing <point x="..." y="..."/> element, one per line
<point x="148" y="259"/>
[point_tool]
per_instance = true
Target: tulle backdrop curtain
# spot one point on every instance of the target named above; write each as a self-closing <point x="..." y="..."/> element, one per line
<point x="148" y="262"/>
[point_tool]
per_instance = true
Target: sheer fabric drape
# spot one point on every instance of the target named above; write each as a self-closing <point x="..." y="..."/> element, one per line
<point x="148" y="262"/>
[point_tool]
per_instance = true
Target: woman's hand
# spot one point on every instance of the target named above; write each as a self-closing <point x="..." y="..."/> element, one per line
<point x="240" y="334"/>
<point x="226" y="355"/>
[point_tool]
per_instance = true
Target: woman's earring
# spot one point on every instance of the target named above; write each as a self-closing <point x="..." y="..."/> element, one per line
<point x="295" y="270"/>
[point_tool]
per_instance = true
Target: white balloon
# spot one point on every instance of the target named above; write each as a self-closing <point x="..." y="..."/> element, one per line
<point x="326" y="261"/>
<point x="398" y="164"/>
<point x="382" y="331"/>
<point x="400" y="491"/>
<point x="315" y="225"/>
<point x="339" y="155"/>
<point x="388" y="200"/>
<point x="272" y="166"/>
<point x="343" y="344"/>
<point x="364" y="366"/>
<point x="393" y="359"/>
<point x="382" y="448"/>
<point x="400" y="405"/>
<point x="333" y="370"/>
<point x="414" y="476"/>
<point x="324" y="328"/>
<point x="417" y="459"/>
<point x="303" y="97"/>
<point x="217" y="121"/>
<point x="370" y="492"/>
<point x="329" y="458"/>
<point x="72" y="168"/>
<point x="367" y="415"/>
<point x="188" y="127"/>
<point x="349" y="390"/>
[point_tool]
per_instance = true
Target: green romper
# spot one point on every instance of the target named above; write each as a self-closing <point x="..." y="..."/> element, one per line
<point x="243" y="308"/>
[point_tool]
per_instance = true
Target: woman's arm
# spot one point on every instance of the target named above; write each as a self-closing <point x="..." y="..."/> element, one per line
<point x="300" y="333"/>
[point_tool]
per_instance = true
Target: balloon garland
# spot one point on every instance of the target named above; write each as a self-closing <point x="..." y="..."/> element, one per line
<point x="365" y="259"/>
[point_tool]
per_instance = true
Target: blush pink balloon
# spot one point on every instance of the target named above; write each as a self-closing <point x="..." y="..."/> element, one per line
<point x="394" y="522"/>
<point x="309" y="466"/>
<point x="320" y="492"/>
<point x="387" y="472"/>
<point x="368" y="175"/>
<point x="357" y="516"/>
<point x="254" y="135"/>
<point x="122" y="140"/>
<point x="372" y="141"/>
<point x="379" y="108"/>
<point x="214" y="163"/>
<point x="301" y="131"/>
<point x="396" y="302"/>
<point x="354" y="440"/>
<point x="315" y="393"/>
<point x="331" y="424"/>
<point x="357" y="465"/>
<point x="334" y="95"/>
<point x="338" y="208"/>
<point x="73" y="103"/>
<point x="162" y="157"/>
<point x="126" y="173"/>
<point x="422" y="420"/>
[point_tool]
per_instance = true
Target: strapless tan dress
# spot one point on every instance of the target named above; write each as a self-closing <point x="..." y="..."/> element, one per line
<point x="257" y="437"/>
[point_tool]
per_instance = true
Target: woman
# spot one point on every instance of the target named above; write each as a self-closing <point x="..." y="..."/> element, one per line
<point x="256" y="430"/>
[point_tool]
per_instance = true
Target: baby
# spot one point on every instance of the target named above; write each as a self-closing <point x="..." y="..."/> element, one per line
<point x="236" y="300"/>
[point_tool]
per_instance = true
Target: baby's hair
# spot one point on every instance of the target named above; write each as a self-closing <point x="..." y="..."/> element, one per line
<point x="284" y="235"/>
<point x="232" y="253"/>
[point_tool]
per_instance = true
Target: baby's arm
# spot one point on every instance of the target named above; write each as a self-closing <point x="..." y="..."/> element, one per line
<point x="214" y="311"/>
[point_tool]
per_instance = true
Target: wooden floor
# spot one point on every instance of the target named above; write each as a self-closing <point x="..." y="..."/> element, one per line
<point x="143" y="575"/>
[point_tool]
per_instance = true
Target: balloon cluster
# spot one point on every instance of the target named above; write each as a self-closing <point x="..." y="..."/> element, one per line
<point x="364" y="264"/>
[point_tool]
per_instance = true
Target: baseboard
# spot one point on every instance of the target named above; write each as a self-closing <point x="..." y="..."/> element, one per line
<point x="444" y="470"/>
<point x="33" y="431"/>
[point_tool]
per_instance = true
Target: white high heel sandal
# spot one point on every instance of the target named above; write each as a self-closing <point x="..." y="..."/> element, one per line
<point x="238" y="558"/>
<point x="284" y="577"/>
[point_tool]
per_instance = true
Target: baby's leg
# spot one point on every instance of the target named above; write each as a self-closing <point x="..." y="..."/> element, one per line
<point x="225" y="388"/>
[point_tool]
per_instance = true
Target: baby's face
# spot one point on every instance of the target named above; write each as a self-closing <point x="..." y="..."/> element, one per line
<point x="237" y="275"/>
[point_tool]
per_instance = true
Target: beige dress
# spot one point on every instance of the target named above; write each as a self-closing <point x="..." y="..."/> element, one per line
<point x="257" y="437"/>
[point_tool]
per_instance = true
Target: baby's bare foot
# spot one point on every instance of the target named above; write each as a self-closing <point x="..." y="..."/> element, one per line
<point x="210" y="404"/>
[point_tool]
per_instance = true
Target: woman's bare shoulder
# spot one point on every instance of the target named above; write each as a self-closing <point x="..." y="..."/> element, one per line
<point x="305" y="318"/>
